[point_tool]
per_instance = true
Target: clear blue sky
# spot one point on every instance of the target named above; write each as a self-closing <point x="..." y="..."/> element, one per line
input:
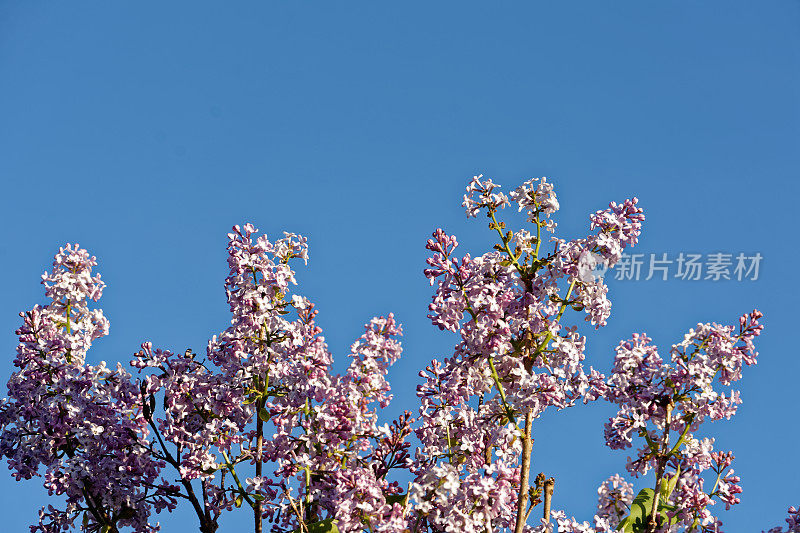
<point x="144" y="130"/>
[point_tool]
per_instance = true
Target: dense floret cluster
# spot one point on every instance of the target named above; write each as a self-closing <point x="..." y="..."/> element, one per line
<point x="262" y="421"/>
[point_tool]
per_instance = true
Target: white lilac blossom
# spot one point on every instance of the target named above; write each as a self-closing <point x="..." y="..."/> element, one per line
<point x="537" y="197"/>
<point x="486" y="197"/>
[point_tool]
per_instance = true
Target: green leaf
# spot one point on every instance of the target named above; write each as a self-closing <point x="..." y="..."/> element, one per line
<point x="324" y="526"/>
<point x="391" y="499"/>
<point x="663" y="507"/>
<point x="263" y="414"/>
<point x="636" y="522"/>
<point x="238" y="501"/>
<point x="668" y="487"/>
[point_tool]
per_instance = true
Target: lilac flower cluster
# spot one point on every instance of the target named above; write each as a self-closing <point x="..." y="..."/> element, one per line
<point x="77" y="425"/>
<point x="615" y="496"/>
<point x="264" y="398"/>
<point x="515" y="357"/>
<point x="657" y="398"/>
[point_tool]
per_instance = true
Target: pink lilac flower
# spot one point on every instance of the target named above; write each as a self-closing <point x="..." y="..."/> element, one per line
<point x="615" y="496"/>
<point x="657" y="397"/>
<point x="78" y="422"/>
<point x="506" y="306"/>
<point x="486" y="197"/>
<point x="265" y="401"/>
<point x="536" y="196"/>
<point x="325" y="432"/>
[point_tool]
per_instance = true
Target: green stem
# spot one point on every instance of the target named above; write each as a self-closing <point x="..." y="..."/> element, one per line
<point x="232" y="470"/>
<point x="514" y="259"/>
<point x="549" y="334"/>
<point x="496" y="378"/>
<point x="660" y="468"/>
<point x="69" y="329"/>
<point x="682" y="437"/>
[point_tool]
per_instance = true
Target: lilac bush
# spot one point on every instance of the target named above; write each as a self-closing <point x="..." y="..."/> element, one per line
<point x="262" y="422"/>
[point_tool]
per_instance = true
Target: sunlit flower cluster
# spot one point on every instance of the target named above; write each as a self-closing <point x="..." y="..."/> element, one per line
<point x="260" y="420"/>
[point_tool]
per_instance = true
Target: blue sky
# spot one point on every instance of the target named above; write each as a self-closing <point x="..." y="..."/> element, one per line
<point x="145" y="130"/>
